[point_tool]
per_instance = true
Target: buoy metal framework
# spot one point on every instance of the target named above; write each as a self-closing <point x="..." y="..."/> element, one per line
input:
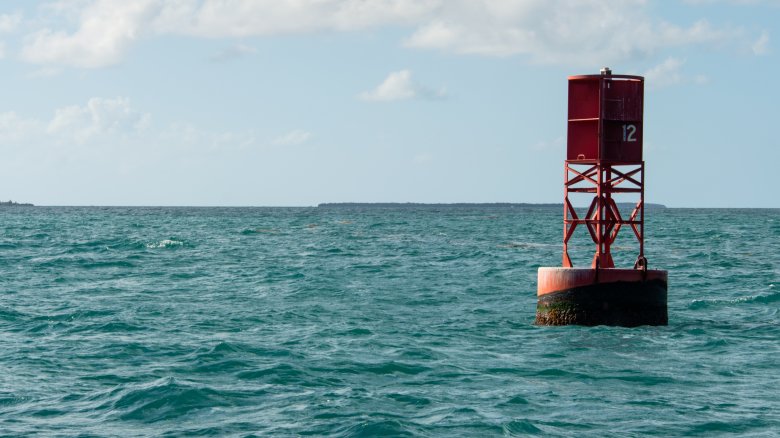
<point x="604" y="160"/>
<point x="604" y="157"/>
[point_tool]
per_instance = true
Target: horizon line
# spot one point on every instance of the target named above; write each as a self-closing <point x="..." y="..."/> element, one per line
<point x="370" y="204"/>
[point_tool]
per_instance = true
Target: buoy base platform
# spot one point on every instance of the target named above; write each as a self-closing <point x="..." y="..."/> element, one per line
<point x="584" y="296"/>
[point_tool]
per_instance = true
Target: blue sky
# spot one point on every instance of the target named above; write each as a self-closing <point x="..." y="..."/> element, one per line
<point x="297" y="102"/>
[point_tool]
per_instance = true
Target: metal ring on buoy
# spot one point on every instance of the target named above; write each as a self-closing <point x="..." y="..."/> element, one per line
<point x="641" y="263"/>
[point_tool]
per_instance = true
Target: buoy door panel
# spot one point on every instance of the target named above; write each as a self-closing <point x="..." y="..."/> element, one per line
<point x="584" y="119"/>
<point x="622" y="120"/>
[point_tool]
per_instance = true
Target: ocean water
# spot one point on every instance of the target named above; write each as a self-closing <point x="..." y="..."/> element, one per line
<point x="373" y="322"/>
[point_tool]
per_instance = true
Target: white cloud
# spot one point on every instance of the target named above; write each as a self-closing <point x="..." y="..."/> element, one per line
<point x="400" y="86"/>
<point x="186" y="139"/>
<point x="111" y="130"/>
<point x="566" y="31"/>
<point x="242" y="18"/>
<point x="669" y="73"/>
<point x="761" y="46"/>
<point x="570" y="31"/>
<point x="98" y="116"/>
<point x="397" y="86"/>
<point x="106" y="29"/>
<point x="102" y="131"/>
<point x="665" y="74"/>
<point x="10" y="22"/>
<point x="106" y="151"/>
<point x="292" y="138"/>
<point x="14" y="128"/>
<point x="107" y="122"/>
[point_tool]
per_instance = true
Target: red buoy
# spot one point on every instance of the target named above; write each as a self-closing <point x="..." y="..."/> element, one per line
<point x="603" y="160"/>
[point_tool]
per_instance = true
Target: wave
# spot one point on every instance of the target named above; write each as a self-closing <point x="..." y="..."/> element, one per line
<point x="167" y="243"/>
<point x="165" y="399"/>
<point x="377" y="428"/>
<point x="529" y="245"/>
<point x="760" y="299"/>
<point x="394" y="367"/>
<point x="250" y="231"/>
<point x="282" y="373"/>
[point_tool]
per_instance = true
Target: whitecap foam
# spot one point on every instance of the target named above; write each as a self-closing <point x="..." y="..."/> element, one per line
<point x="167" y="243"/>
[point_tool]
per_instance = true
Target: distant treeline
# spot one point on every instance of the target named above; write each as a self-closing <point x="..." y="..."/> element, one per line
<point x="13" y="204"/>
<point x="460" y="205"/>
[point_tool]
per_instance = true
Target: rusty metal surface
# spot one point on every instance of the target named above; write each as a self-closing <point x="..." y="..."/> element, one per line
<point x="554" y="279"/>
<point x="627" y="304"/>
<point x="603" y="219"/>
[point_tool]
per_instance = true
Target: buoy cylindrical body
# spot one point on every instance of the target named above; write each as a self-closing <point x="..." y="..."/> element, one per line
<point x="585" y="296"/>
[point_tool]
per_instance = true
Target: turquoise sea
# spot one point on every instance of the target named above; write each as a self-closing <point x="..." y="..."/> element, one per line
<point x="373" y="322"/>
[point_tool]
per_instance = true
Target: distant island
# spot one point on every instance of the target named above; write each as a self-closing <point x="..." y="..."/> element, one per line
<point x="14" y="204"/>
<point x="461" y="205"/>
